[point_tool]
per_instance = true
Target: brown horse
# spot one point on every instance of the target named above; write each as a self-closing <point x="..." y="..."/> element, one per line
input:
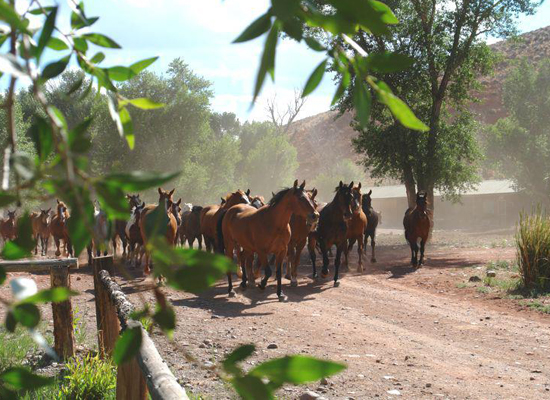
<point x="264" y="231"/>
<point x="120" y="227"/>
<point x="417" y="223"/>
<point x="332" y="228"/>
<point x="175" y="208"/>
<point x="41" y="229"/>
<point x="211" y="214"/>
<point x="8" y="227"/>
<point x="372" y="224"/>
<point x="133" y="233"/>
<point x="356" y="227"/>
<point x="165" y="202"/>
<point x="191" y="226"/>
<point x="60" y="230"/>
<point x="300" y="230"/>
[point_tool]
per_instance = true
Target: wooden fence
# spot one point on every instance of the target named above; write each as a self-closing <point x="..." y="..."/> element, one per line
<point x="147" y="371"/>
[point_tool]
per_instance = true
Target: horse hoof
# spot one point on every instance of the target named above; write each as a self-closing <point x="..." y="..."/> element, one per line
<point x="282" y="298"/>
<point x="294" y="283"/>
<point x="57" y="253"/>
<point x="288" y="277"/>
<point x="336" y="283"/>
<point x="232" y="293"/>
<point x="373" y="260"/>
<point x="360" y="270"/>
<point x="243" y="285"/>
<point x="324" y="274"/>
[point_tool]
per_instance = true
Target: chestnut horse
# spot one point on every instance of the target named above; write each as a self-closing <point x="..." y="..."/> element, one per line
<point x="165" y="202"/>
<point x="417" y="222"/>
<point x="8" y="227"/>
<point x="60" y="230"/>
<point x="356" y="227"/>
<point x="332" y="228"/>
<point x="264" y="231"/>
<point x="120" y="227"/>
<point x="372" y="224"/>
<point x="41" y="229"/>
<point x="190" y="228"/>
<point x="300" y="230"/>
<point x="211" y="214"/>
<point x="175" y="208"/>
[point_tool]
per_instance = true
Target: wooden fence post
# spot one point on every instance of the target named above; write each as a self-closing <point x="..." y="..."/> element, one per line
<point x="108" y="326"/>
<point x="62" y="314"/>
<point x="130" y="383"/>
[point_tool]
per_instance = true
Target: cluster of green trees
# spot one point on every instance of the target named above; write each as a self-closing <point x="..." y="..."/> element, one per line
<point x="215" y="153"/>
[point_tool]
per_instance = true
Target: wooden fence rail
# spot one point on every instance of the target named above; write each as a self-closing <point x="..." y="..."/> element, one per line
<point x="63" y="311"/>
<point x="148" y="370"/>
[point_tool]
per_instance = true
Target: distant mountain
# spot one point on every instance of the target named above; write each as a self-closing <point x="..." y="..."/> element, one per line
<point x="322" y="140"/>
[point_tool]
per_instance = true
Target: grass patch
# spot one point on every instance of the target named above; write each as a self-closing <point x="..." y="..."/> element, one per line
<point x="538" y="306"/>
<point x="89" y="378"/>
<point x="461" y="285"/>
<point x="504" y="284"/>
<point x="483" y="289"/>
<point x="14" y="347"/>
<point x="501" y="265"/>
<point x="80" y="327"/>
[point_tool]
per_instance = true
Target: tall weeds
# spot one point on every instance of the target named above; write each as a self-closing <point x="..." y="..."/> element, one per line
<point x="533" y="250"/>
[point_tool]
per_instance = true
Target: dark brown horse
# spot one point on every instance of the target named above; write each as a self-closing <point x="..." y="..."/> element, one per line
<point x="190" y="227"/>
<point x="120" y="227"/>
<point x="60" y="230"/>
<point x="264" y="231"/>
<point x="300" y="230"/>
<point x="372" y="224"/>
<point x="175" y="208"/>
<point x="356" y="227"/>
<point x="332" y="228"/>
<point x="417" y="223"/>
<point x="210" y="216"/>
<point x="41" y="229"/>
<point x="8" y="226"/>
<point x="133" y="233"/>
<point x="165" y="202"/>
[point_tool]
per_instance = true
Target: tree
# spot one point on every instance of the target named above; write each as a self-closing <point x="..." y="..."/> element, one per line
<point x="446" y="41"/>
<point x="283" y="120"/>
<point x="519" y="145"/>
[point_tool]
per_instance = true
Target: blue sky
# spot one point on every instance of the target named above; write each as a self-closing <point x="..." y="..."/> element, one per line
<point x="201" y="33"/>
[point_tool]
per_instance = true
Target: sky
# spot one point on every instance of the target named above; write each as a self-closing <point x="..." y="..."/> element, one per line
<point x="201" y="32"/>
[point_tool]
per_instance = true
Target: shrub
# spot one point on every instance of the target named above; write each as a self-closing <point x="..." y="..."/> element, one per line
<point x="89" y="378"/>
<point x="533" y="250"/>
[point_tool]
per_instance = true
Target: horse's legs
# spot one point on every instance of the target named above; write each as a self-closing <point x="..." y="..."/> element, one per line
<point x="295" y="262"/>
<point x="45" y="248"/>
<point x="289" y="257"/>
<point x="324" y="271"/>
<point x="360" y="252"/>
<point x="414" y="252"/>
<point x="199" y="239"/>
<point x="311" y="243"/>
<point x="69" y="246"/>
<point x="57" y="244"/>
<point x="262" y="261"/>
<point x="339" y="250"/>
<point x="422" y="244"/>
<point x="365" y="241"/>
<point x="373" y="244"/>
<point x="348" y="247"/>
<point x="89" y="250"/>
<point x="279" y="273"/>
<point x="36" y="239"/>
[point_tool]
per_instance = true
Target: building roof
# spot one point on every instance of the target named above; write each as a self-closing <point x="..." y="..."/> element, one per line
<point x="485" y="187"/>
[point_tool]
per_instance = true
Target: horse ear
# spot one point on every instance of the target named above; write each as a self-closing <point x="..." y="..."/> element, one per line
<point x="359" y="186"/>
<point x="223" y="200"/>
<point x="351" y="185"/>
<point x="370" y="192"/>
<point x="171" y="192"/>
<point x="57" y="201"/>
<point x="179" y="202"/>
<point x="49" y="209"/>
<point x="128" y="196"/>
<point x="272" y="194"/>
<point x="313" y="193"/>
<point x="303" y="185"/>
<point x="341" y="184"/>
<point x="295" y="183"/>
<point x="248" y="192"/>
<point x="160" y="191"/>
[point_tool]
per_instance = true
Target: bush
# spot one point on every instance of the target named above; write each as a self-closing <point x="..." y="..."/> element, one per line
<point x="533" y="250"/>
<point x="89" y="378"/>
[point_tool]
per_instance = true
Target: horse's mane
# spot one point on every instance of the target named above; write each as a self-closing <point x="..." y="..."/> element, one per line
<point x="278" y="196"/>
<point x="228" y="195"/>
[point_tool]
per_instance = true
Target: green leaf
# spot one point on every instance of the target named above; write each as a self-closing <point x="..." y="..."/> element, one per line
<point x="314" y="44"/>
<point x="138" y="181"/>
<point x="398" y="108"/>
<point x="239" y="354"/>
<point x="112" y="199"/>
<point x="3" y="275"/>
<point x="127" y="345"/>
<point x="127" y="126"/>
<point x="166" y="320"/>
<point x="255" y="29"/>
<point x="10" y="65"/>
<point x="98" y="58"/>
<point x="23" y="245"/>
<point x="267" y="64"/>
<point x="75" y="86"/>
<point x="26" y="314"/>
<point x="57" y="44"/>
<point x="139" y="66"/>
<point x="11" y="17"/>
<point x="42" y="136"/>
<point x="388" y="62"/>
<point x="79" y="19"/>
<point x="80" y="44"/>
<point x="342" y="86"/>
<point x="23" y="165"/>
<point x="144" y="103"/>
<point x="187" y="269"/>
<point x="46" y="34"/>
<point x="297" y="369"/>
<point x="362" y="100"/>
<point x="79" y="139"/>
<point x="315" y="78"/>
<point x="101" y="40"/>
<point x="120" y="74"/>
<point x="81" y="221"/>
<point x="20" y="378"/>
<point x="103" y="79"/>
<point x="251" y="388"/>
<point x="42" y="10"/>
<point x="11" y="322"/>
<point x="386" y="13"/>
<point x="6" y="198"/>
<point x="54" y="69"/>
<point x="54" y="295"/>
<point x="59" y="117"/>
<point x="155" y="223"/>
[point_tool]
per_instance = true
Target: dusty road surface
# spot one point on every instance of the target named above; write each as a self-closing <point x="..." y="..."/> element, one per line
<point x="403" y="333"/>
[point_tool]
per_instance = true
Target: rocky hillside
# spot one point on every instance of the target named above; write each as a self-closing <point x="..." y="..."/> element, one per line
<point x="322" y="140"/>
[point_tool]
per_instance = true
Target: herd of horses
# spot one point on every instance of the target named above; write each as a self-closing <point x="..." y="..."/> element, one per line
<point x="242" y="226"/>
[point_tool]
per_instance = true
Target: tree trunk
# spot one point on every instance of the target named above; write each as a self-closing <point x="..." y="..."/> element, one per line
<point x="410" y="186"/>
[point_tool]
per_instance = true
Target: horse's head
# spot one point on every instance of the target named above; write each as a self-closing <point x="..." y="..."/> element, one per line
<point x="367" y="200"/>
<point x="165" y="197"/>
<point x="422" y="201"/>
<point x="62" y="212"/>
<point x="238" y="197"/>
<point x="257" y="202"/>
<point x="44" y="215"/>
<point x="133" y="200"/>
<point x="11" y="215"/>
<point x="136" y="210"/>
<point x="357" y="199"/>
<point x="176" y="211"/>
<point x="301" y="203"/>
<point x="344" y="199"/>
<point x="312" y="193"/>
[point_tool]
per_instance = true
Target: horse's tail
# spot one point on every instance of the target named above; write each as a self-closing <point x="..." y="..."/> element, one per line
<point x="219" y="233"/>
